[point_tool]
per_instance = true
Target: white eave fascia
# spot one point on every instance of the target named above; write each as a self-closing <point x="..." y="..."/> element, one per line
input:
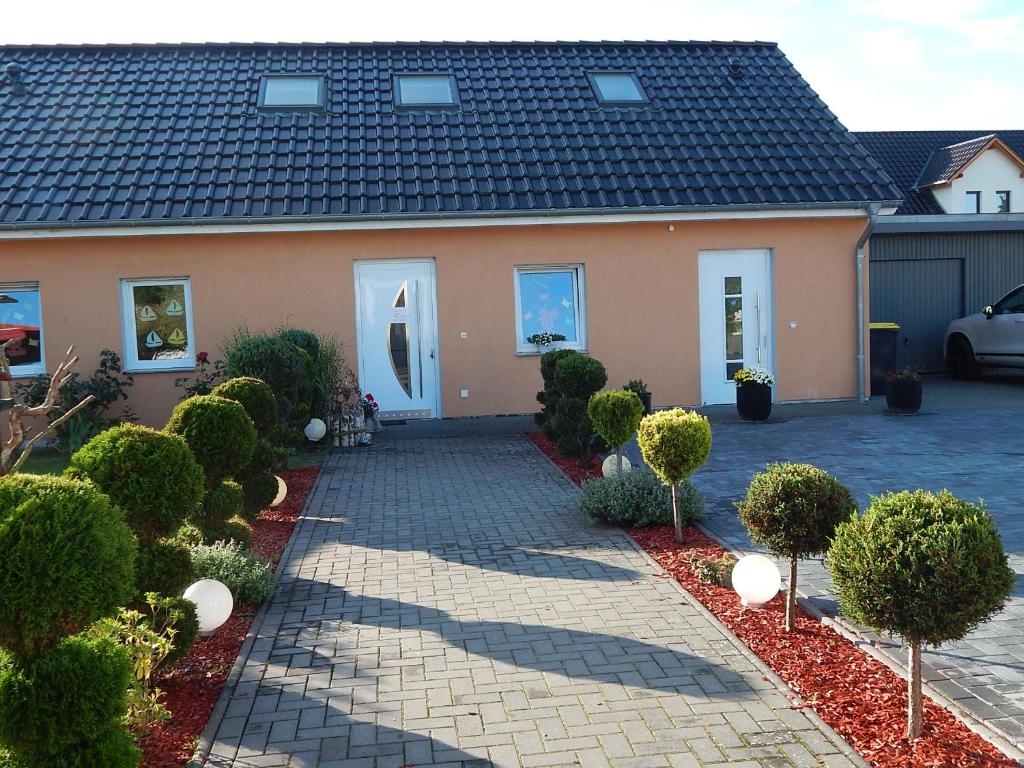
<point x="298" y="224"/>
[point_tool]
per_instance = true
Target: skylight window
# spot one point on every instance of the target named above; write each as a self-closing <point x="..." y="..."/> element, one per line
<point x="292" y="92"/>
<point x="617" y="88"/>
<point x="433" y="90"/>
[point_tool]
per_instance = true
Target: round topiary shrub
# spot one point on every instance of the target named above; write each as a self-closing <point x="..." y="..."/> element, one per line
<point x="66" y="560"/>
<point x="675" y="444"/>
<point x="256" y="397"/>
<point x="151" y="475"/>
<point x="219" y="432"/>
<point x="222" y="502"/>
<point x="163" y="566"/>
<point x="258" y="491"/>
<point x="68" y="701"/>
<point x="576" y="378"/>
<point x="793" y="511"/>
<point x="271" y="359"/>
<point x="616" y="417"/>
<point x="579" y="376"/>
<point x="926" y="566"/>
<point x="304" y="340"/>
<point x="180" y="613"/>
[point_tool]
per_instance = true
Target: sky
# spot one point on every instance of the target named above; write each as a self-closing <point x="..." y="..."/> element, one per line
<point x="879" y="64"/>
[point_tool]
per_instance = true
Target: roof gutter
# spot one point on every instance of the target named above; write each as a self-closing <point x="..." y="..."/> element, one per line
<point x="438" y="219"/>
<point x="872" y="211"/>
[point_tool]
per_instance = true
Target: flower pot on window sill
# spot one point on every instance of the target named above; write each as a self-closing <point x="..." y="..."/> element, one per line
<point x="754" y="401"/>
<point x="903" y="395"/>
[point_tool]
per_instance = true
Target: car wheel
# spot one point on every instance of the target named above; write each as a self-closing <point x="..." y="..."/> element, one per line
<point x="962" y="362"/>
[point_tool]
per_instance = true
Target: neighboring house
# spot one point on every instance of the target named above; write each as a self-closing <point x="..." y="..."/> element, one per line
<point x="957" y="242"/>
<point x="678" y="210"/>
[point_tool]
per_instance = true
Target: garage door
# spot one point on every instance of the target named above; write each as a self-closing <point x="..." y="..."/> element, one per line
<point x="922" y="295"/>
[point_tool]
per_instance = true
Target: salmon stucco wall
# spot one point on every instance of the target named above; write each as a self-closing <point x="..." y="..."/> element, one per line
<point x="641" y="298"/>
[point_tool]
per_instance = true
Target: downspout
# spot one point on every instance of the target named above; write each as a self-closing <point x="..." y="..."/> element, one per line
<point x="872" y="211"/>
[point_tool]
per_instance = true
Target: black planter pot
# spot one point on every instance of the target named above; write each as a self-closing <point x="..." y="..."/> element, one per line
<point x="903" y="395"/>
<point x="645" y="398"/>
<point x="754" y="401"/>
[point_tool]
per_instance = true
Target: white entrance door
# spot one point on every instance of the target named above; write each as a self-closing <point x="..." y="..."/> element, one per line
<point x="396" y="324"/>
<point x="735" y="319"/>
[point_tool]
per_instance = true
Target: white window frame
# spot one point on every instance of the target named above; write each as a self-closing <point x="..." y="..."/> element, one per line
<point x="24" y="372"/>
<point x="580" y="286"/>
<point x="128" y="332"/>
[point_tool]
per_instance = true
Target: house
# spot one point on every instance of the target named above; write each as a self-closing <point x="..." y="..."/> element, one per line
<point x="677" y="209"/>
<point x="956" y="244"/>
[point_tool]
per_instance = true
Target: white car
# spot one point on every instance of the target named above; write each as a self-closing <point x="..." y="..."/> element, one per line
<point x="992" y="337"/>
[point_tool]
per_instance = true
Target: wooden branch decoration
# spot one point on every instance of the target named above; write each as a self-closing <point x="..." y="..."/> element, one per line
<point x="17" y="412"/>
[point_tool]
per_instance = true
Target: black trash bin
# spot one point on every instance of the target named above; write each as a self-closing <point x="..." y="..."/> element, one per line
<point x="883" y="354"/>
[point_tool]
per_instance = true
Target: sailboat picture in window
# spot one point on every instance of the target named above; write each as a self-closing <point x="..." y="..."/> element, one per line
<point x="147" y="314"/>
<point x="174" y="308"/>
<point x="177" y="337"/>
<point x="153" y="340"/>
<point x="398" y="340"/>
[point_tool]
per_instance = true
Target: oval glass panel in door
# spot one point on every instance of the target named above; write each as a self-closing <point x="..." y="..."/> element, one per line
<point x="398" y="339"/>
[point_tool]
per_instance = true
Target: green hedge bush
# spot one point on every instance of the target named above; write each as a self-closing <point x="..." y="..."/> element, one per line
<point x="256" y="397"/>
<point x="219" y="432"/>
<point x="576" y="378"/>
<point x="181" y="614"/>
<point x="69" y="700"/>
<point x="793" y="511"/>
<point x="548" y="397"/>
<point x="151" y="475"/>
<point x="675" y="443"/>
<point x="303" y="339"/>
<point x="163" y="566"/>
<point x="66" y="559"/>
<point x="223" y="502"/>
<point x="926" y="566"/>
<point x="248" y="577"/>
<point x="639" y="499"/>
<point x="282" y="365"/>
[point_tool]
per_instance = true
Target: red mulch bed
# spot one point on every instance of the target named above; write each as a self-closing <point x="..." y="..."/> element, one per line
<point x="860" y="698"/>
<point x="578" y="471"/>
<point x="193" y="684"/>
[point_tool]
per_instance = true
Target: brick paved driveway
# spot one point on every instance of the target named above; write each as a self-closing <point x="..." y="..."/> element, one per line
<point x="976" y="454"/>
<point x="443" y="604"/>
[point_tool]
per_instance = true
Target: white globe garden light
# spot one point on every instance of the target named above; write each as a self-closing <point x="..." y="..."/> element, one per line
<point x="609" y="467"/>
<point x="213" y="604"/>
<point x="282" y="492"/>
<point x="756" y="580"/>
<point x="315" y="430"/>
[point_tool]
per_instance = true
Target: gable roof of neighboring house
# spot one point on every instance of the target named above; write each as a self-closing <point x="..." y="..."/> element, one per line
<point x="165" y="133"/>
<point x="917" y="160"/>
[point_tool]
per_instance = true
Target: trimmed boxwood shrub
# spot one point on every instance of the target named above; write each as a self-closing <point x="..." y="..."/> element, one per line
<point x="548" y="397"/>
<point x="258" y="490"/>
<point x="65" y="707"/>
<point x="279" y="363"/>
<point x="181" y="614"/>
<point x="163" y="566"/>
<point x="223" y="502"/>
<point x="219" y="432"/>
<point x="576" y="379"/>
<point x="256" y="397"/>
<point x="151" y="475"/>
<point x="926" y="566"/>
<point x="616" y="417"/>
<point x="675" y="443"/>
<point x="304" y="340"/>
<point x="793" y="511"/>
<point x="637" y="500"/>
<point x="66" y="560"/>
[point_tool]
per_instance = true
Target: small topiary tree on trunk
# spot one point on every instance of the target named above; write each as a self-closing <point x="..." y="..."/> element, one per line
<point x="928" y="567"/>
<point x="675" y="444"/>
<point x="616" y="417"/>
<point x="793" y="511"/>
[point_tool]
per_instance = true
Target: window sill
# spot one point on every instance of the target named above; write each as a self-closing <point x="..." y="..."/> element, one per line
<point x="538" y="352"/>
<point x="160" y="369"/>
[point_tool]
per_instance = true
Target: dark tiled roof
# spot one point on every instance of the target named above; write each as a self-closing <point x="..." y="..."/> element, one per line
<point x="164" y="133"/>
<point x="913" y="157"/>
<point x="946" y="161"/>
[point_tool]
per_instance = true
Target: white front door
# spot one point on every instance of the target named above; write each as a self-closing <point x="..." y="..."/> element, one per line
<point x="396" y="325"/>
<point x="735" y="319"/>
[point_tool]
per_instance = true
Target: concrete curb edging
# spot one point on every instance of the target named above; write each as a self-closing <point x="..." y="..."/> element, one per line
<point x="208" y="737"/>
<point x="855" y="635"/>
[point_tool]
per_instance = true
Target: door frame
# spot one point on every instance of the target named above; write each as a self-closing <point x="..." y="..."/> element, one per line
<point x="435" y="407"/>
<point x="769" y="310"/>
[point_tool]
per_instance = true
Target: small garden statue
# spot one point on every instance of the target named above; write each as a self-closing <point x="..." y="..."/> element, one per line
<point x="928" y="567"/>
<point x="674" y="444"/>
<point x="793" y="510"/>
